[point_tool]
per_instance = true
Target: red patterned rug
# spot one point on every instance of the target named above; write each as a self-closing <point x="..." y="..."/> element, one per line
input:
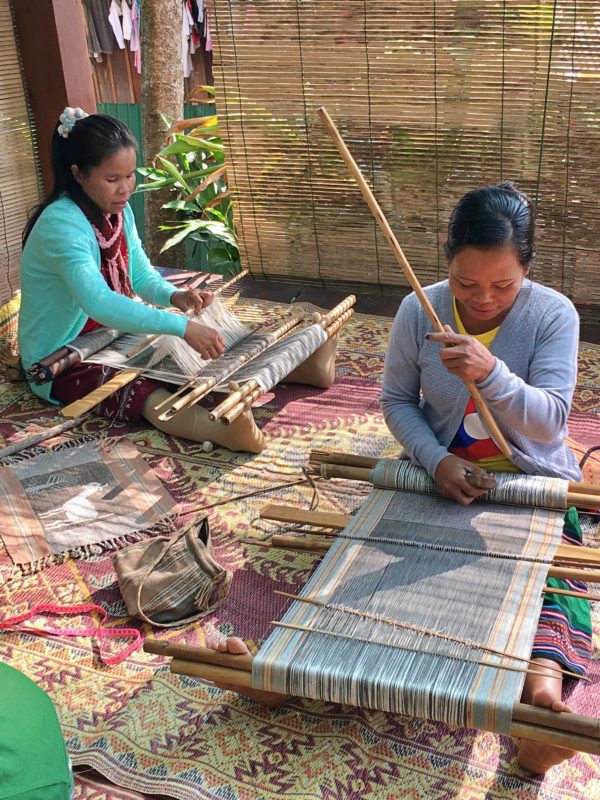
<point x="155" y="734"/>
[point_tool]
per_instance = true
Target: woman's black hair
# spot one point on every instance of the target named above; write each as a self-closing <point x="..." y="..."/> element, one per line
<point x="90" y="141"/>
<point x="493" y="216"/>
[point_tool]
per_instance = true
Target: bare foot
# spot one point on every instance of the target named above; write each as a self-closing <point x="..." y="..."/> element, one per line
<point x="237" y="647"/>
<point x="543" y="691"/>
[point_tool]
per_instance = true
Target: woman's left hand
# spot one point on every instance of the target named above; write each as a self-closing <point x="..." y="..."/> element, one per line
<point x="463" y="356"/>
<point x="191" y="299"/>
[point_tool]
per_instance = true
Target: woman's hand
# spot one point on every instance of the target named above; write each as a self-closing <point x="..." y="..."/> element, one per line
<point x="451" y="479"/>
<point x="191" y="299"/>
<point x="463" y="356"/>
<point x="206" y="341"/>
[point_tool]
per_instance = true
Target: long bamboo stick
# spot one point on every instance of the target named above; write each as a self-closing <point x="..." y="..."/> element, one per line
<point x="566" y="730"/>
<point x="406" y="268"/>
<point x="40" y="436"/>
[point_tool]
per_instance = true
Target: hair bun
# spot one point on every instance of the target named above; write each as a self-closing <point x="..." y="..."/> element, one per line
<point x="67" y="120"/>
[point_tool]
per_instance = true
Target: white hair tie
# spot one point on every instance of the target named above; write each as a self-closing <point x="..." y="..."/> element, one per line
<point x="67" y="120"/>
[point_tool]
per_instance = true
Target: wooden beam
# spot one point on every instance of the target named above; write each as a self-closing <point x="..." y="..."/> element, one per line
<point x="56" y="66"/>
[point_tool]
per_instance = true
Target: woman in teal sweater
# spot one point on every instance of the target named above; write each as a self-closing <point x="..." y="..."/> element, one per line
<point x="82" y="268"/>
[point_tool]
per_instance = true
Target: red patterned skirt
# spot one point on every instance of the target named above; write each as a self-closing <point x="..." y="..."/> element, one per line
<point x="126" y="404"/>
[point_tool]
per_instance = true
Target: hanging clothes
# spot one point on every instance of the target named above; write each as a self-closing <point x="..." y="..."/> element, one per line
<point x="100" y="32"/>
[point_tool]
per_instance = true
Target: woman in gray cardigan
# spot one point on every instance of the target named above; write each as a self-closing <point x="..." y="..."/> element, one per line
<point x="517" y="341"/>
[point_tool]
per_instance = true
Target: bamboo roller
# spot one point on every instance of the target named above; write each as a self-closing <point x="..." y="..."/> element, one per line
<point x="538" y="724"/>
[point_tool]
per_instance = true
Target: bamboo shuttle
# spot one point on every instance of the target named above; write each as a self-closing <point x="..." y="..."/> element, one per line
<point x="406" y="268"/>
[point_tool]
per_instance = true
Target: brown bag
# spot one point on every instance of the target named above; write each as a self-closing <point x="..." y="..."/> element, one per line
<point x="169" y="581"/>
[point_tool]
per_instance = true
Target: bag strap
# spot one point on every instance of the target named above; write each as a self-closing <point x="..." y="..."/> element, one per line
<point x="91" y="629"/>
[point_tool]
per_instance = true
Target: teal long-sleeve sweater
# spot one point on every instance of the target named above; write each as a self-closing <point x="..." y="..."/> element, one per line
<point x="61" y="286"/>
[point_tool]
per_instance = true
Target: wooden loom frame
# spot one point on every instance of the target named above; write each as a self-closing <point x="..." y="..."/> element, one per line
<point x="239" y="399"/>
<point x="565" y="730"/>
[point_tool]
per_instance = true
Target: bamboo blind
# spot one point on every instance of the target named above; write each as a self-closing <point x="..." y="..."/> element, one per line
<point x="19" y="188"/>
<point x="433" y="97"/>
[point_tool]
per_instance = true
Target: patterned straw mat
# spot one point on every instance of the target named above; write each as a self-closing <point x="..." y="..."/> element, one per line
<point x="154" y="733"/>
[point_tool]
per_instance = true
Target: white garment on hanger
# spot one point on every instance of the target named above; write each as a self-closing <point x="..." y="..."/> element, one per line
<point x="114" y="14"/>
<point x="126" y="14"/>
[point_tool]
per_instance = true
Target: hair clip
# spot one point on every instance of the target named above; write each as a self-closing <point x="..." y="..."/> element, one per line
<point x="67" y="120"/>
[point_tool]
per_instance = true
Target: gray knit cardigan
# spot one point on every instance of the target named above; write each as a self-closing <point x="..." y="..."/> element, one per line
<point x="528" y="392"/>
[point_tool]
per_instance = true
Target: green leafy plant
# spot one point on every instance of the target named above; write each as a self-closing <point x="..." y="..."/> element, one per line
<point x="192" y="166"/>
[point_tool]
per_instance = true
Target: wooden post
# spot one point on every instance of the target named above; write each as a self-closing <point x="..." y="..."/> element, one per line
<point x="56" y="66"/>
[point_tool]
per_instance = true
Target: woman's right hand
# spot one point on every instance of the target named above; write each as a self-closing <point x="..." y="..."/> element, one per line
<point x="452" y="482"/>
<point x="204" y="340"/>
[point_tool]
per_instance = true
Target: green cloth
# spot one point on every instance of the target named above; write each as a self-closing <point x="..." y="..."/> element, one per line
<point x="33" y="759"/>
<point x="62" y="286"/>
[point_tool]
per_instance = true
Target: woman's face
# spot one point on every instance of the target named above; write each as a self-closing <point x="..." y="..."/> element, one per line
<point x="111" y="183"/>
<point x="485" y="282"/>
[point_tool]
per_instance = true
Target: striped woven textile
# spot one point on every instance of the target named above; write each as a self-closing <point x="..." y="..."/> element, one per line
<point x="473" y="573"/>
<point x="511" y="488"/>
<point x="74" y="497"/>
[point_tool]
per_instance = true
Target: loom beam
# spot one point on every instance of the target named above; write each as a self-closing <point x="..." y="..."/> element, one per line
<point x="571" y="731"/>
<point x="358" y="468"/>
<point x="567" y="560"/>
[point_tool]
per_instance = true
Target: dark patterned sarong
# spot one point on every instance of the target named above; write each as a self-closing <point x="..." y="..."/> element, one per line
<point x="126" y="404"/>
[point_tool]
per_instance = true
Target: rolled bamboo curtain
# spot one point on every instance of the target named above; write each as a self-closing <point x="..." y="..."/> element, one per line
<point x="433" y="97"/>
<point x="19" y="187"/>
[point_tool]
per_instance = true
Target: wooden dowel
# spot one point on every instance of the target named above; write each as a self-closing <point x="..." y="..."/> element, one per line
<point x="212" y="672"/>
<point x="178" y="392"/>
<point x="79" y="407"/>
<point x="343" y="459"/>
<point x="41" y="436"/>
<point x="233" y="399"/>
<point x="583" y="500"/>
<point x="406" y="268"/>
<point x="299" y="543"/>
<point x="242" y="406"/>
<point x="570" y="593"/>
<point x="575" y="574"/>
<point x="339" y="322"/>
<point x="324" y="519"/>
<point x="557" y="738"/>
<point x="337" y="311"/>
<point x="204" y="655"/>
